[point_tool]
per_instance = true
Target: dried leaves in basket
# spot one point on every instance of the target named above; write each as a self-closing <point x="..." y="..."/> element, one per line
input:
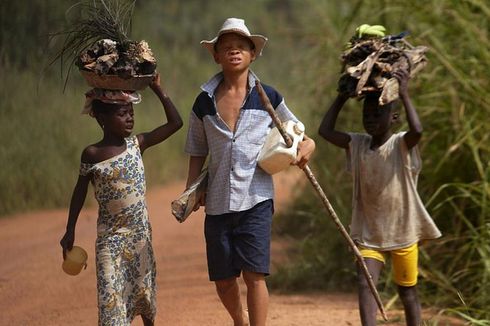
<point x="102" y="30"/>
<point x="107" y="57"/>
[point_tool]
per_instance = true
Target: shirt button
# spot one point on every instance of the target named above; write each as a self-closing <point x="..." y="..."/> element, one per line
<point x="232" y="169"/>
<point x="234" y="139"/>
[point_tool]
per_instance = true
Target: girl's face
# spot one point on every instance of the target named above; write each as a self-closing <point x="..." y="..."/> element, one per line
<point x="120" y="121"/>
<point x="234" y="52"/>
<point x="377" y="120"/>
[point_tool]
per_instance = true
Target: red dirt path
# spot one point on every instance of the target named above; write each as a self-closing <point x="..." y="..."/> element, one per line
<point x="35" y="291"/>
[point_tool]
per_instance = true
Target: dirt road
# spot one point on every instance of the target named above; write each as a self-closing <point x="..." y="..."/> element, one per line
<point x="35" y="291"/>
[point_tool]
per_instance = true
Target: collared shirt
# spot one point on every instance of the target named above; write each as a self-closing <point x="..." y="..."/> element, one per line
<point x="236" y="183"/>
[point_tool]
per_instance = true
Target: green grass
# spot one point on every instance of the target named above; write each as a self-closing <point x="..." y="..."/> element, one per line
<point x="451" y="95"/>
<point x="44" y="135"/>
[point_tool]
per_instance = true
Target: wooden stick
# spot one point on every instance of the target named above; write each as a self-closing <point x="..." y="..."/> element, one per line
<point x="289" y="142"/>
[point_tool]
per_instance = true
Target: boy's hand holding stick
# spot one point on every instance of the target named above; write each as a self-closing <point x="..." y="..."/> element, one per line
<point x="267" y="104"/>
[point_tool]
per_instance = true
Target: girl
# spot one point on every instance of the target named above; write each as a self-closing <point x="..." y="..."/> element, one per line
<point x="124" y="256"/>
<point x="388" y="216"/>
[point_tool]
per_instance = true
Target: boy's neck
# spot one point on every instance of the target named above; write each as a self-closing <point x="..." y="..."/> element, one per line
<point x="235" y="80"/>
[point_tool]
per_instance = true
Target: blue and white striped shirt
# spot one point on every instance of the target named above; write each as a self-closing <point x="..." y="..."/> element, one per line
<point x="236" y="183"/>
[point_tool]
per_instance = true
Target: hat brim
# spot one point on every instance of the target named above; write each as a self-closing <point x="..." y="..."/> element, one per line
<point x="258" y="41"/>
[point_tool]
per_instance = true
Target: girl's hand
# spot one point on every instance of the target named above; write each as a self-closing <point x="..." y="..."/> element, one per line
<point x="67" y="242"/>
<point x="155" y="83"/>
<point x="402" y="76"/>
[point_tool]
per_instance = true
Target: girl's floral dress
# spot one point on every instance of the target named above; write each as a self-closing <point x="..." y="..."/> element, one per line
<point x="124" y="255"/>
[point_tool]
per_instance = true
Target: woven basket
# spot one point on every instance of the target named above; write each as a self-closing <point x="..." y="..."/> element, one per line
<point x="135" y="83"/>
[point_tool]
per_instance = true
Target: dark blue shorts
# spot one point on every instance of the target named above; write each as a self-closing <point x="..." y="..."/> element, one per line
<point x="239" y="241"/>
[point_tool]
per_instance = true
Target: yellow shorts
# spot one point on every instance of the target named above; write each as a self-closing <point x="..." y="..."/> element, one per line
<point x="405" y="263"/>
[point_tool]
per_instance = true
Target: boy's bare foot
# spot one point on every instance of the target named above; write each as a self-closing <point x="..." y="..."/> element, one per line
<point x="245" y="318"/>
<point x="245" y="321"/>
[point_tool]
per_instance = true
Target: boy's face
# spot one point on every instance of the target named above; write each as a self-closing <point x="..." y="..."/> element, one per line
<point x="377" y="120"/>
<point x="120" y="121"/>
<point x="234" y="52"/>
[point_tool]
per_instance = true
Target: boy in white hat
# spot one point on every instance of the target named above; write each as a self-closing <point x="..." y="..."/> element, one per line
<point x="229" y="124"/>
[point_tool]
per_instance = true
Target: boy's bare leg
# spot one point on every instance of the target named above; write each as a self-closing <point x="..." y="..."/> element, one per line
<point x="229" y="294"/>
<point x="411" y="304"/>
<point x="367" y="304"/>
<point x="257" y="298"/>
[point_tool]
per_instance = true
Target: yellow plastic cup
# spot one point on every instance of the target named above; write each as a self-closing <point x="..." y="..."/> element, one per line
<point x="75" y="260"/>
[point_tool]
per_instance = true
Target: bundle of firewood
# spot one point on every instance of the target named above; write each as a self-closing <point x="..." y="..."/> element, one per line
<point x="370" y="60"/>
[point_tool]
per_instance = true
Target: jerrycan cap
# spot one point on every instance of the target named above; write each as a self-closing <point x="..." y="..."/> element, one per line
<point x="299" y="128"/>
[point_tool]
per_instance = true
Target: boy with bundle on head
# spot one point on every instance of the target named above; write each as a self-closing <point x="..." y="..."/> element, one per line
<point x="388" y="215"/>
<point x="125" y="265"/>
<point x="229" y="124"/>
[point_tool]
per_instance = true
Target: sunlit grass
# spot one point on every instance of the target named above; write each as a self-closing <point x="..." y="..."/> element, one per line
<point x="451" y="95"/>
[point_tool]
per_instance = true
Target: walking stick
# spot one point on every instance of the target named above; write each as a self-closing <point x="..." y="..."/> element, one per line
<point x="267" y="104"/>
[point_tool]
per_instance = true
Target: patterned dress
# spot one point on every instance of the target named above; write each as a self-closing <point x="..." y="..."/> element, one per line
<point x="124" y="255"/>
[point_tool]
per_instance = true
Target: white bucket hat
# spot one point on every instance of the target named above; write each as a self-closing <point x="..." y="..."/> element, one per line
<point x="236" y="25"/>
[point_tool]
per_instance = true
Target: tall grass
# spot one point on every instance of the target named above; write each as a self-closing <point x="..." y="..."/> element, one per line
<point x="452" y="98"/>
<point x="462" y="200"/>
<point x="43" y="133"/>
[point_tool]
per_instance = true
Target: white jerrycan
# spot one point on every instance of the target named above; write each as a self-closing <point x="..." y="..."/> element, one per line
<point x="275" y="156"/>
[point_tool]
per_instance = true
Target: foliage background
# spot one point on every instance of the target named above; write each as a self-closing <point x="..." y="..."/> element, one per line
<point x="42" y="133"/>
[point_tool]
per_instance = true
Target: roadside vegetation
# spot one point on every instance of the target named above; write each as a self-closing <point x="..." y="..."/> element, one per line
<point x="43" y="133"/>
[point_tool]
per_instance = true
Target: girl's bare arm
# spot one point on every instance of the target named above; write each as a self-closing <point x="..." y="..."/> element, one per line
<point x="327" y="127"/>
<point x="76" y="204"/>
<point x="174" y="121"/>
<point x="414" y="133"/>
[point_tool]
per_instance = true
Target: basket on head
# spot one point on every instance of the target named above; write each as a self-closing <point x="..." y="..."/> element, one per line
<point x="134" y="83"/>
